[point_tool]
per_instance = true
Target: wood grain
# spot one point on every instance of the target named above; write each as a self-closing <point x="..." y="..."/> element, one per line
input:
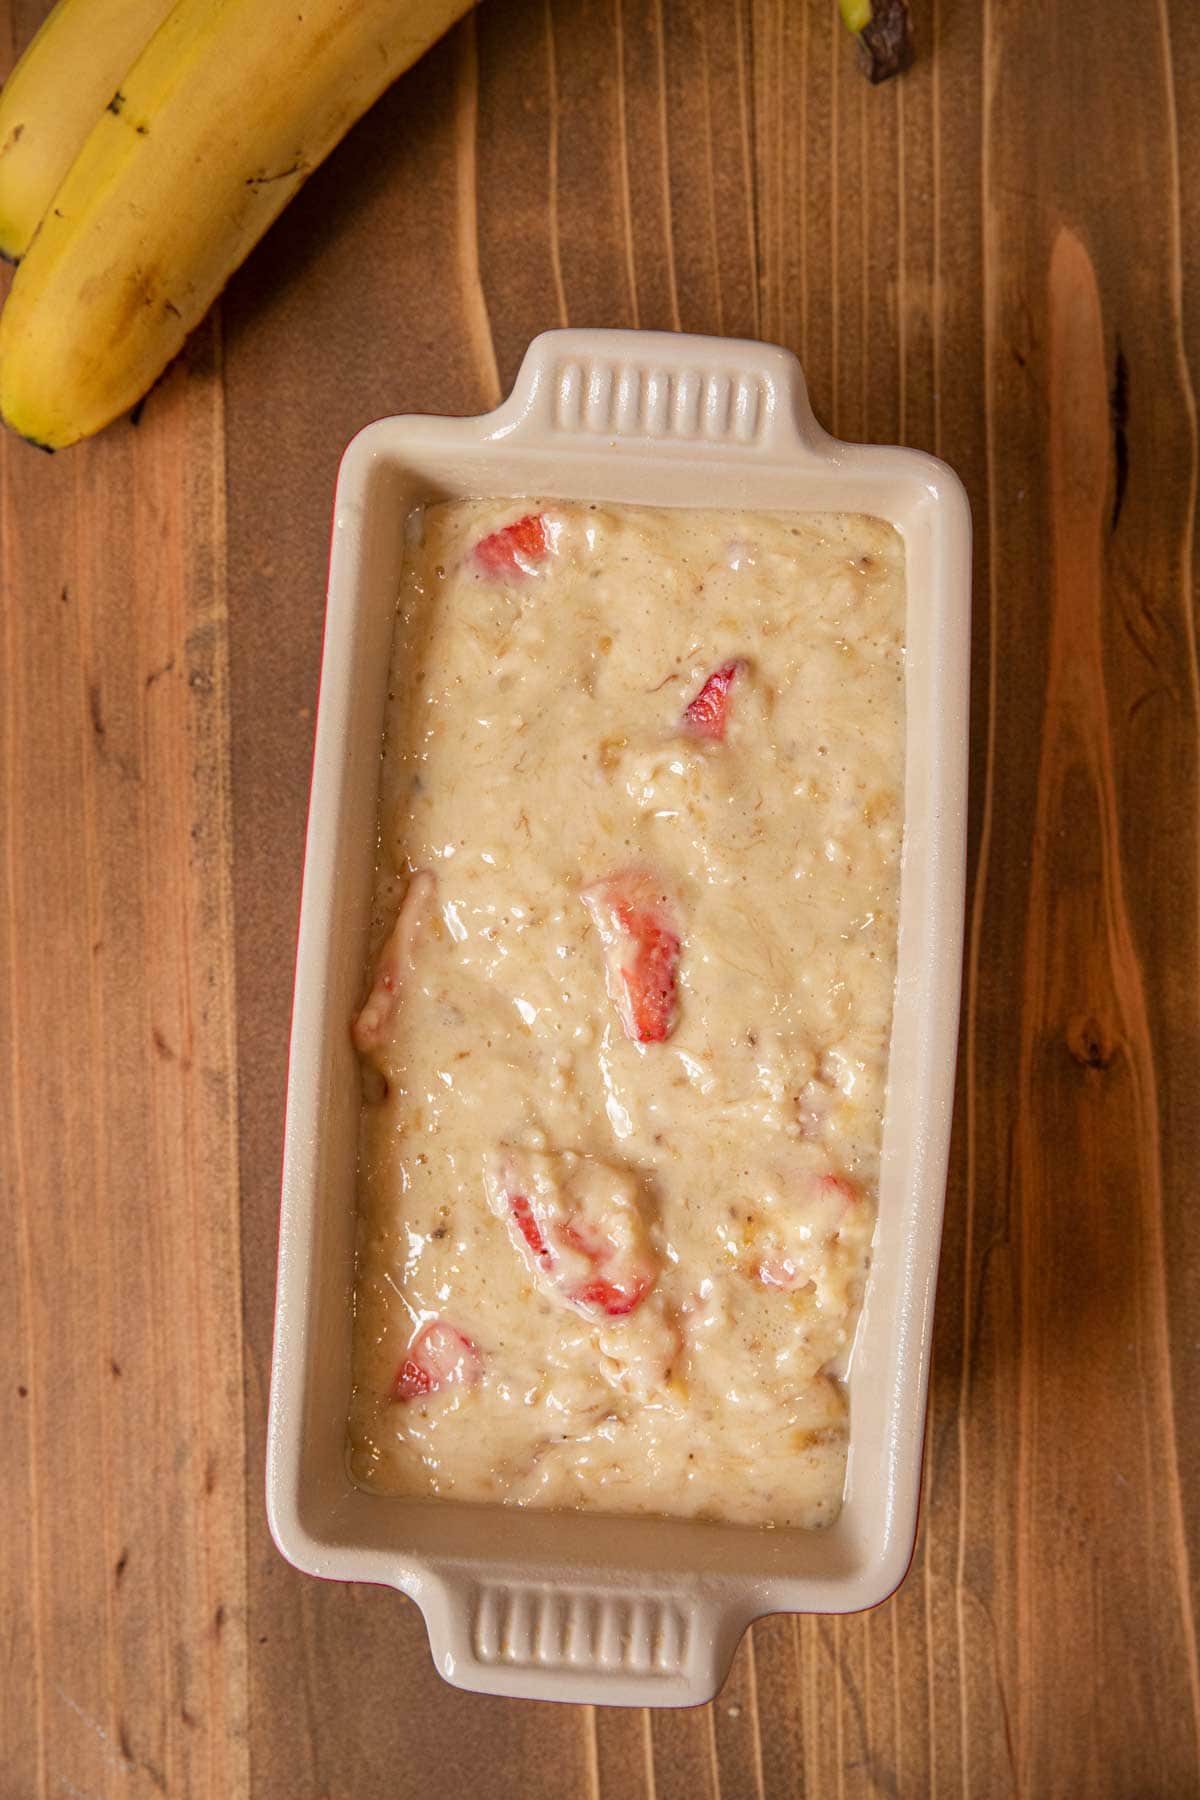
<point x="123" y="1494"/>
<point x="995" y="258"/>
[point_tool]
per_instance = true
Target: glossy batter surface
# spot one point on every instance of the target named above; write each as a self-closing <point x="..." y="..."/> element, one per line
<point x="625" y="1033"/>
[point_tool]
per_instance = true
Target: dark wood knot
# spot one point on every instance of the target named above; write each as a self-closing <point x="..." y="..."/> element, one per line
<point x="1090" y="1042"/>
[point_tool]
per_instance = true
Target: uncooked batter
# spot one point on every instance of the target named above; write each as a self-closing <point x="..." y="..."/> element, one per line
<point x="625" y="1035"/>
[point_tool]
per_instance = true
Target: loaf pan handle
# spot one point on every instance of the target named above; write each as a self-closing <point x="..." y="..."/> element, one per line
<point x="696" y="395"/>
<point x="606" y="1644"/>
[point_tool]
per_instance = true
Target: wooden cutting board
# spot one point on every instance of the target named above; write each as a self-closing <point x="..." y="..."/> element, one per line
<point x="997" y="258"/>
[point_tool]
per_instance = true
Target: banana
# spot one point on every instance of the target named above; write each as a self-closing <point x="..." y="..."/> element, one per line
<point x="54" y="96"/>
<point x="230" y="105"/>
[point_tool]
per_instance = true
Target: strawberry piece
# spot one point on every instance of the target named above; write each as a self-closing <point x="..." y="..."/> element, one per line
<point x="641" y="953"/>
<point x="527" y="1225"/>
<point x="411" y="1381"/>
<point x="578" y="1224"/>
<point x="614" y="1297"/>
<point x="707" y="714"/>
<point x="609" y="1298"/>
<point x="515" y="549"/>
<point x="650" y="982"/>
<point x="438" y="1357"/>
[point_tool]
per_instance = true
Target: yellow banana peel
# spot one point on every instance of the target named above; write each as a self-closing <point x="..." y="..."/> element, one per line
<point x="228" y="108"/>
<point x="54" y="96"/>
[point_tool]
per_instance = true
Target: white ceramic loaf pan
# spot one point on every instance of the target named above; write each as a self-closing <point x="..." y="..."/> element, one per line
<point x="631" y="1611"/>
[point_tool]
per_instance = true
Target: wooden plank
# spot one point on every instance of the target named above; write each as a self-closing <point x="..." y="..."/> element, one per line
<point x="1094" y="623"/>
<point x="1178" y="44"/>
<point x="620" y="1745"/>
<point x="123" y="1562"/>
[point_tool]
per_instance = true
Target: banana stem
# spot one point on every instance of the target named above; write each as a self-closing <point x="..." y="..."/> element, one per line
<point x="884" y="32"/>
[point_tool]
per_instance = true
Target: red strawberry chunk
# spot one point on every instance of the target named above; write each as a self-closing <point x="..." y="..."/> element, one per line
<point x="641" y="954"/>
<point x="650" y="980"/>
<point x="411" y="1381"/>
<point x="439" y="1356"/>
<point x="707" y="715"/>
<point x="616" y="1293"/>
<point x="515" y="549"/>
<point x="611" y="1298"/>
<point x="528" y="1227"/>
<point x="578" y="1224"/>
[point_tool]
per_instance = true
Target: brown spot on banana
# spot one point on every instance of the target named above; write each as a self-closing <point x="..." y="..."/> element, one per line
<point x="299" y="167"/>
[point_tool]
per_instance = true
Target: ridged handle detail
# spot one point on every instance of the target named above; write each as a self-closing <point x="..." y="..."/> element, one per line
<point x="561" y="1628"/>
<point x="624" y="399"/>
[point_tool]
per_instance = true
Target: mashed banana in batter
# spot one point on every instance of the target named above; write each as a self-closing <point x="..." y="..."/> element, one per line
<point x="625" y="1030"/>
